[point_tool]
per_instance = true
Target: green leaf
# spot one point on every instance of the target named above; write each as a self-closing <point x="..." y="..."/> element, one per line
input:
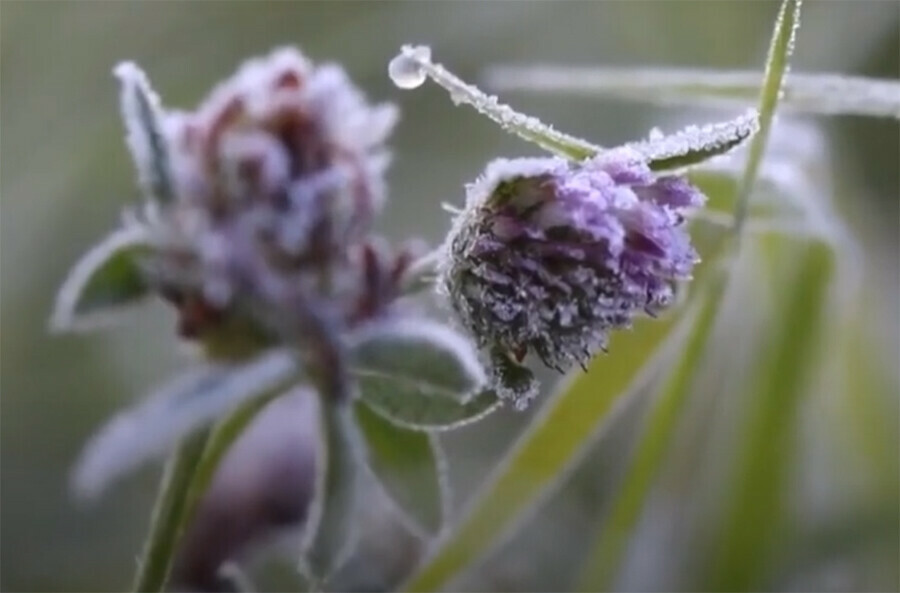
<point x="694" y="145"/>
<point x="331" y="522"/>
<point x="413" y="64"/>
<point x="755" y="507"/>
<point x="408" y="465"/>
<point x="604" y="560"/>
<point x="408" y="406"/>
<point x="820" y="93"/>
<point x="143" y="117"/>
<point x="421" y="374"/>
<point x="159" y="421"/>
<point x="540" y="458"/>
<point x="429" y="354"/>
<point x="103" y="282"/>
<point x="777" y="64"/>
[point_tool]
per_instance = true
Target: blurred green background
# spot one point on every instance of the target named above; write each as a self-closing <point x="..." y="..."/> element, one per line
<point x="66" y="175"/>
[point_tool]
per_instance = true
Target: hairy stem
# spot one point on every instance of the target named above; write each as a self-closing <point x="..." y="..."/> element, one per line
<point x="219" y="442"/>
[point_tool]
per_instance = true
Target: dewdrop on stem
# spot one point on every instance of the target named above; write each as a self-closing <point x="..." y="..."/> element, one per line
<point x="405" y="69"/>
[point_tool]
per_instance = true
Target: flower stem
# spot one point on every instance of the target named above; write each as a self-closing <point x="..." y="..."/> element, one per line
<point x="169" y="514"/>
<point x="421" y="273"/>
<point x="217" y="445"/>
<point x="526" y="127"/>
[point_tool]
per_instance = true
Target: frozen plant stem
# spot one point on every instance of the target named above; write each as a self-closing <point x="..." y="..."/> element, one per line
<point x="422" y="272"/>
<point x="218" y="443"/>
<point x="410" y="68"/>
<point x="169" y="514"/>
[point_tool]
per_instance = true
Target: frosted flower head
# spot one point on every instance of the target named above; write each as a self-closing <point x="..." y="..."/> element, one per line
<point x="275" y="180"/>
<point x="549" y="256"/>
<point x="286" y="133"/>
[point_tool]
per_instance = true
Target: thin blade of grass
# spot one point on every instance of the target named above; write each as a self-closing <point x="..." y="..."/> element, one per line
<point x="818" y="93"/>
<point x="552" y="444"/>
<point x="604" y="560"/>
<point x="755" y="505"/>
<point x="777" y="65"/>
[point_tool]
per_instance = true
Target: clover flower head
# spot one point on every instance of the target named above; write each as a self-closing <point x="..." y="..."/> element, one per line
<point x="279" y="125"/>
<point x="276" y="178"/>
<point x="549" y="256"/>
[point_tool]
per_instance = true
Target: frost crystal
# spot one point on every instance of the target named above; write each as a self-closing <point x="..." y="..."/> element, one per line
<point x="549" y="256"/>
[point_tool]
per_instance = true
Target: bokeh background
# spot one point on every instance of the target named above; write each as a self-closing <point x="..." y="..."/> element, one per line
<point x="66" y="175"/>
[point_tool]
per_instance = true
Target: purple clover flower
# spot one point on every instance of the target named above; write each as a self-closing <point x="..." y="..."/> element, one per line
<point x="277" y="178"/>
<point x="550" y="256"/>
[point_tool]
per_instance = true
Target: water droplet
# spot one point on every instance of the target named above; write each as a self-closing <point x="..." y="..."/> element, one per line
<point x="405" y="70"/>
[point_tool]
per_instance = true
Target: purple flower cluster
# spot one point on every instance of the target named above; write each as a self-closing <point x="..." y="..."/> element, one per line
<point x="277" y="177"/>
<point x="549" y="256"/>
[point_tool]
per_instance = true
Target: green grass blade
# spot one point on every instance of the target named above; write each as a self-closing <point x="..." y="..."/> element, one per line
<point x="604" y="560"/>
<point x="754" y="499"/>
<point x="819" y="93"/>
<point x="777" y="64"/>
<point x="552" y="444"/>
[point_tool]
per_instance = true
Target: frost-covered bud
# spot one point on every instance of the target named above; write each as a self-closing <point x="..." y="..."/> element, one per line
<point x="289" y="134"/>
<point x="276" y="178"/>
<point x="548" y="256"/>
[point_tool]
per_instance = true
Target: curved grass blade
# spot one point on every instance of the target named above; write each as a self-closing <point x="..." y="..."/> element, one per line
<point x="604" y="560"/>
<point x="755" y="504"/>
<point x="407" y="464"/>
<point x="818" y="93"/>
<point x="552" y="444"/>
<point x="777" y="65"/>
<point x="415" y="62"/>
